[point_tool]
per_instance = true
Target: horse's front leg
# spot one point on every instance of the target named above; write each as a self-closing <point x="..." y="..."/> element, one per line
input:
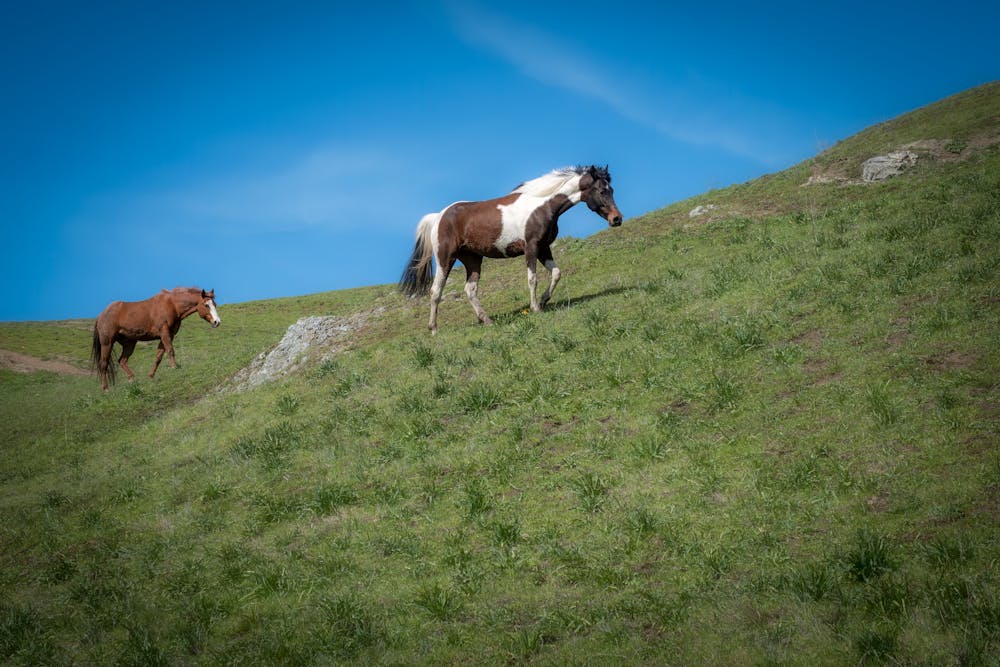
<point x="168" y="342"/>
<point x="166" y="345"/>
<point x="159" y="355"/>
<point x="546" y="256"/>
<point x="531" y="259"/>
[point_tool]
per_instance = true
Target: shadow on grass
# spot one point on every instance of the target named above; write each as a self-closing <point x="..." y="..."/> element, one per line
<point x="562" y="304"/>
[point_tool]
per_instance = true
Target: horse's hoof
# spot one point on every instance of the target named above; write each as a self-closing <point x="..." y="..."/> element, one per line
<point x="486" y="321"/>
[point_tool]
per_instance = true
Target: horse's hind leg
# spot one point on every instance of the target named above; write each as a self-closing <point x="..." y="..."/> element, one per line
<point x="102" y="364"/>
<point x="473" y="265"/>
<point x="128" y="346"/>
<point x="437" y="288"/>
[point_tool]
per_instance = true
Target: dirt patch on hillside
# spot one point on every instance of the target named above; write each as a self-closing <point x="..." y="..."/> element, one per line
<point x="23" y="363"/>
<point x="947" y="150"/>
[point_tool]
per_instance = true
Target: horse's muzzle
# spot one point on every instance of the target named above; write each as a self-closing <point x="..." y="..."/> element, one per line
<point x="216" y="323"/>
<point x="616" y="221"/>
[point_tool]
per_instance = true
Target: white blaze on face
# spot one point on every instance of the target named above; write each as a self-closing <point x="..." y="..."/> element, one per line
<point x="514" y="217"/>
<point x="216" y="321"/>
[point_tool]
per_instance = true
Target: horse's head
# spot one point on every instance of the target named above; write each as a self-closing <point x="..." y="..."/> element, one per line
<point x="207" y="310"/>
<point x="597" y="193"/>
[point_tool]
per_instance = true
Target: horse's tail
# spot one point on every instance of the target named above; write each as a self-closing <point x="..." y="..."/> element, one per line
<point x="416" y="278"/>
<point x="95" y="356"/>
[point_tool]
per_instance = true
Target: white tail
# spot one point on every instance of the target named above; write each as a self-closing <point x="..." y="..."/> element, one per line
<point x="416" y="277"/>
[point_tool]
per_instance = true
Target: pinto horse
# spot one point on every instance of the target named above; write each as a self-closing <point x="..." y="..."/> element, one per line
<point x="158" y="317"/>
<point x="523" y="222"/>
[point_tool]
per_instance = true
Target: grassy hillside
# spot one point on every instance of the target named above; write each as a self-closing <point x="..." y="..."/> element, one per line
<point x="765" y="435"/>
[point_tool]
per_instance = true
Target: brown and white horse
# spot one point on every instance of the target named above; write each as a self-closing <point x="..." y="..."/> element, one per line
<point x="158" y="317"/>
<point x="523" y="222"/>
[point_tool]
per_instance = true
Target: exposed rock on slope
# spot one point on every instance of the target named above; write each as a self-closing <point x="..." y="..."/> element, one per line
<point x="303" y="341"/>
<point x="881" y="167"/>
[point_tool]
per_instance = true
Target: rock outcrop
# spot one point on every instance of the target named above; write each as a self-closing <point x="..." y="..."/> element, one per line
<point x="881" y="167"/>
<point x="303" y="341"/>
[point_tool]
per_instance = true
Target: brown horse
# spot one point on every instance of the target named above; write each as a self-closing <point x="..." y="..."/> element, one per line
<point x="158" y="317"/>
<point x="523" y="222"/>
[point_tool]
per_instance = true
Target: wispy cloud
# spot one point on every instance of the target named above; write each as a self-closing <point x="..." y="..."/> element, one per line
<point x="680" y="113"/>
<point x="333" y="187"/>
<point x="330" y="186"/>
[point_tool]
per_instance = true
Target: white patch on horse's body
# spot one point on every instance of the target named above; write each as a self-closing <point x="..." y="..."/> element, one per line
<point x="514" y="217"/>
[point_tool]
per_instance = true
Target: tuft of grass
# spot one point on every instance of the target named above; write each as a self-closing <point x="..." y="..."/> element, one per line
<point x="641" y="522"/>
<point x="949" y="551"/>
<point x="505" y="533"/>
<point x="815" y="581"/>
<point x="441" y="602"/>
<point x="870" y="557"/>
<point x="476" y="500"/>
<point x="877" y="645"/>
<point x="651" y="447"/>
<point x="881" y="403"/>
<point x="331" y="497"/>
<point x="591" y="490"/>
<point x="480" y="398"/>
<point x="21" y="632"/>
<point x="271" y="448"/>
<point x="287" y="405"/>
<point x="347" y="626"/>
<point x="423" y="356"/>
<point x="723" y="392"/>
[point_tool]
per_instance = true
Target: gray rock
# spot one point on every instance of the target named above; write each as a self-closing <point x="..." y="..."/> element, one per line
<point x="881" y="167"/>
<point x="702" y="210"/>
<point x="296" y="347"/>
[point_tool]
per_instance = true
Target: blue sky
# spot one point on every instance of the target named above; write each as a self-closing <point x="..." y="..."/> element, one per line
<point x="276" y="149"/>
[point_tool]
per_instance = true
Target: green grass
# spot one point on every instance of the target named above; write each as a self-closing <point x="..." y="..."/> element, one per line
<point x="771" y="438"/>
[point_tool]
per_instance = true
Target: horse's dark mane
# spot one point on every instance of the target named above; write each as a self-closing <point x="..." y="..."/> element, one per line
<point x="596" y="172"/>
<point x="599" y="173"/>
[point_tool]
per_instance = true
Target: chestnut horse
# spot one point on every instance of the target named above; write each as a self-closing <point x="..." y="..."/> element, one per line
<point x="523" y="222"/>
<point x="158" y="317"/>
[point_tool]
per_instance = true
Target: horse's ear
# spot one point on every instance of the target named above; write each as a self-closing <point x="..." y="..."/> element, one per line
<point x="204" y="294"/>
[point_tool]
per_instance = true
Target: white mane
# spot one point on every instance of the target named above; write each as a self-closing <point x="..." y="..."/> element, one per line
<point x="549" y="184"/>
